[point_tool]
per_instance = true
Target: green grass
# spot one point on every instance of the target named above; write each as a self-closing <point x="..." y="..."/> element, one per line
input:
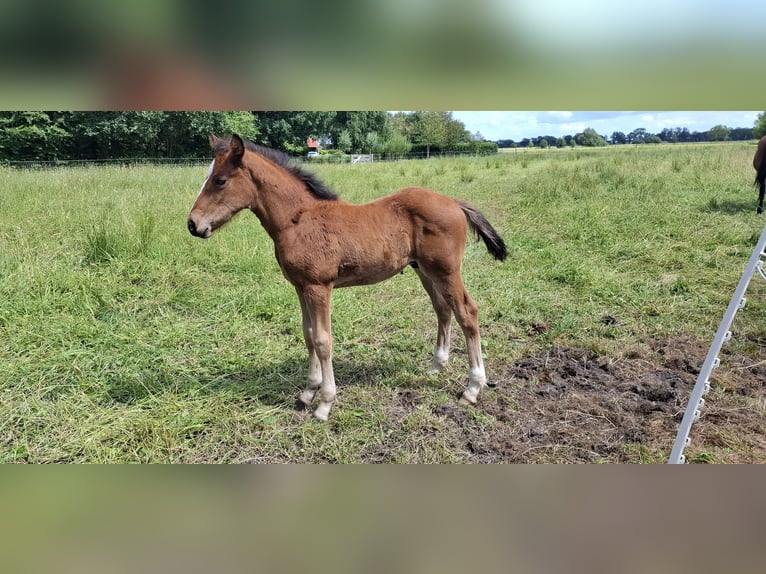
<point x="124" y="339"/>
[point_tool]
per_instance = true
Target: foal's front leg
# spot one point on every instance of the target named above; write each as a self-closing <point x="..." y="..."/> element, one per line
<point x="315" y="369"/>
<point x="315" y="302"/>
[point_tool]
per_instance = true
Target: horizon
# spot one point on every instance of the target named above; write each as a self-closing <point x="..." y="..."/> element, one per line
<point x="518" y="125"/>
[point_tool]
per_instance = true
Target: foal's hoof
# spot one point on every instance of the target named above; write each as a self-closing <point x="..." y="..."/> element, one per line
<point x="323" y="411"/>
<point x="466" y="400"/>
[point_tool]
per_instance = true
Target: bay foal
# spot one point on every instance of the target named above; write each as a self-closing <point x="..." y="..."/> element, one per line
<point x="322" y="242"/>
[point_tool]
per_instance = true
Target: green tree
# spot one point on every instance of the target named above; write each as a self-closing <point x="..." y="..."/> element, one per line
<point x="637" y="136"/>
<point x="344" y="142"/>
<point x="241" y="123"/>
<point x="33" y="136"/>
<point x="397" y="144"/>
<point x="358" y="124"/>
<point x="104" y="135"/>
<point x="371" y="142"/>
<point x="760" y="126"/>
<point x="590" y="138"/>
<point x="121" y="134"/>
<point x="431" y="130"/>
<point x="288" y="130"/>
<point x="718" y="133"/>
<point x="438" y="130"/>
<point x="185" y="134"/>
<point x="404" y="123"/>
<point x="618" y="138"/>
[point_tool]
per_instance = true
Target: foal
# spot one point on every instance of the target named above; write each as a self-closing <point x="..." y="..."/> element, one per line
<point x="322" y="242"/>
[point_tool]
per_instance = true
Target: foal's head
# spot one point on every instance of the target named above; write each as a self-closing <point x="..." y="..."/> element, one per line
<point x="226" y="191"/>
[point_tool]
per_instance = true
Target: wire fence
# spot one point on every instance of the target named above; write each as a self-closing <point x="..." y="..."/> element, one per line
<point x="186" y="161"/>
<point x="123" y="161"/>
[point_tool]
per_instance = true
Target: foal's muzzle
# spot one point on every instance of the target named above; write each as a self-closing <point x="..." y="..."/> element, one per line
<point x="195" y="232"/>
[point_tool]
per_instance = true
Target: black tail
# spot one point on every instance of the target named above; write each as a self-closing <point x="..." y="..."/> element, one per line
<point x="482" y="228"/>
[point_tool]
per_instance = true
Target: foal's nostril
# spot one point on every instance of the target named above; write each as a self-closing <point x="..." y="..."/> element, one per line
<point x="192" y="227"/>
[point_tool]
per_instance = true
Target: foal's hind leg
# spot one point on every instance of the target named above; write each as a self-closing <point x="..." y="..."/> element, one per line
<point x="467" y="315"/>
<point x="444" y="318"/>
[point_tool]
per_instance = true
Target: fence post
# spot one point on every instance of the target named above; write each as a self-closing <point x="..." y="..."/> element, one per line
<point x="702" y="386"/>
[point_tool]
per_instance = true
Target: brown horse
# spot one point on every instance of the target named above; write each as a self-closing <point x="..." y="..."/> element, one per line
<point x="322" y="242"/>
<point x="759" y="163"/>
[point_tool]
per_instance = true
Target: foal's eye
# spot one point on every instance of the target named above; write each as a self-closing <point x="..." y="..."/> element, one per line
<point x="220" y="181"/>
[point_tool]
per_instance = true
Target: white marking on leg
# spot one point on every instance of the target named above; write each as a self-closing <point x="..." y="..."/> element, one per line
<point x="315" y="380"/>
<point x="477" y="379"/>
<point x="440" y="359"/>
<point x="326" y="391"/>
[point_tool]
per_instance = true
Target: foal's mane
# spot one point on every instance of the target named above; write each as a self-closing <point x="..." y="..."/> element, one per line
<point x="316" y="186"/>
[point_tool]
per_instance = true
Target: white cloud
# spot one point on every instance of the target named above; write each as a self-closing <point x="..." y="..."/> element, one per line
<point x="572" y="128"/>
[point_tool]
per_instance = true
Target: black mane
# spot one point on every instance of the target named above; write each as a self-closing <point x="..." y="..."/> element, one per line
<point x="316" y="186"/>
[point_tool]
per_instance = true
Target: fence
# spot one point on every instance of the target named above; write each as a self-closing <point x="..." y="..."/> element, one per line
<point x="124" y="161"/>
<point x="702" y="386"/>
<point x="324" y="158"/>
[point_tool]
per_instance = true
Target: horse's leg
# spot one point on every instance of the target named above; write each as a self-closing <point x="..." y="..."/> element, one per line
<point x="315" y="370"/>
<point x="467" y="315"/>
<point x="444" y="318"/>
<point x="317" y="301"/>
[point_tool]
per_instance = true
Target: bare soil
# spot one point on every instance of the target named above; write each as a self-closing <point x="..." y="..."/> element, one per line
<point x="569" y="405"/>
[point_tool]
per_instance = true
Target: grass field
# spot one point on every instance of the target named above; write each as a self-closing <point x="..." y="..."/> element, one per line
<point x="124" y="339"/>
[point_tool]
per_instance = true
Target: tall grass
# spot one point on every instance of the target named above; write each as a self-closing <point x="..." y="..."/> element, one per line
<point x="124" y="339"/>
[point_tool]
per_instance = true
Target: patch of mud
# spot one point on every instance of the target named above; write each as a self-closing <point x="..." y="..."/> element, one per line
<point x="572" y="405"/>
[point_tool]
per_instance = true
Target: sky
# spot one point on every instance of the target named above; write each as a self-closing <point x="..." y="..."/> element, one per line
<point x="525" y="124"/>
<point x="605" y="24"/>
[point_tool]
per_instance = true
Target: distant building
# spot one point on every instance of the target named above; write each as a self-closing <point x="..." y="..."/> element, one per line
<point x="312" y="144"/>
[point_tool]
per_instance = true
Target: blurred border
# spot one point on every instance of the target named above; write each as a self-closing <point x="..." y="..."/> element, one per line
<point x="401" y="54"/>
<point x="383" y="519"/>
<point x="397" y="55"/>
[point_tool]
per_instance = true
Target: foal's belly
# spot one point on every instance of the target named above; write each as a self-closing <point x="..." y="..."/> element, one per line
<point x="349" y="276"/>
<point x="374" y="264"/>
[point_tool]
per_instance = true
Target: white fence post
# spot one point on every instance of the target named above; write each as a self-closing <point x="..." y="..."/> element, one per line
<point x="702" y="386"/>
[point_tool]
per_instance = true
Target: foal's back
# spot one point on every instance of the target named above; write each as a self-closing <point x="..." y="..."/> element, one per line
<point x="360" y="244"/>
<point x="421" y="225"/>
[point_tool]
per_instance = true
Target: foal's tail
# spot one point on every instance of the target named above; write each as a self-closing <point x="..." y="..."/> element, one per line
<point x="482" y="228"/>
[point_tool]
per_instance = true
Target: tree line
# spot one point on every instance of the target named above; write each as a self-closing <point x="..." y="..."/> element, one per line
<point x="103" y="135"/>
<point x="590" y="138"/>
<point x="106" y="135"/>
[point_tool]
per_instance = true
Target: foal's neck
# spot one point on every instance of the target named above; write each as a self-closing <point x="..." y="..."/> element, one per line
<point x="278" y="198"/>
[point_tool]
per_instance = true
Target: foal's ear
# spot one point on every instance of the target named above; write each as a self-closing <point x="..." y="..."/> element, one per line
<point x="216" y="143"/>
<point x="237" y="149"/>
